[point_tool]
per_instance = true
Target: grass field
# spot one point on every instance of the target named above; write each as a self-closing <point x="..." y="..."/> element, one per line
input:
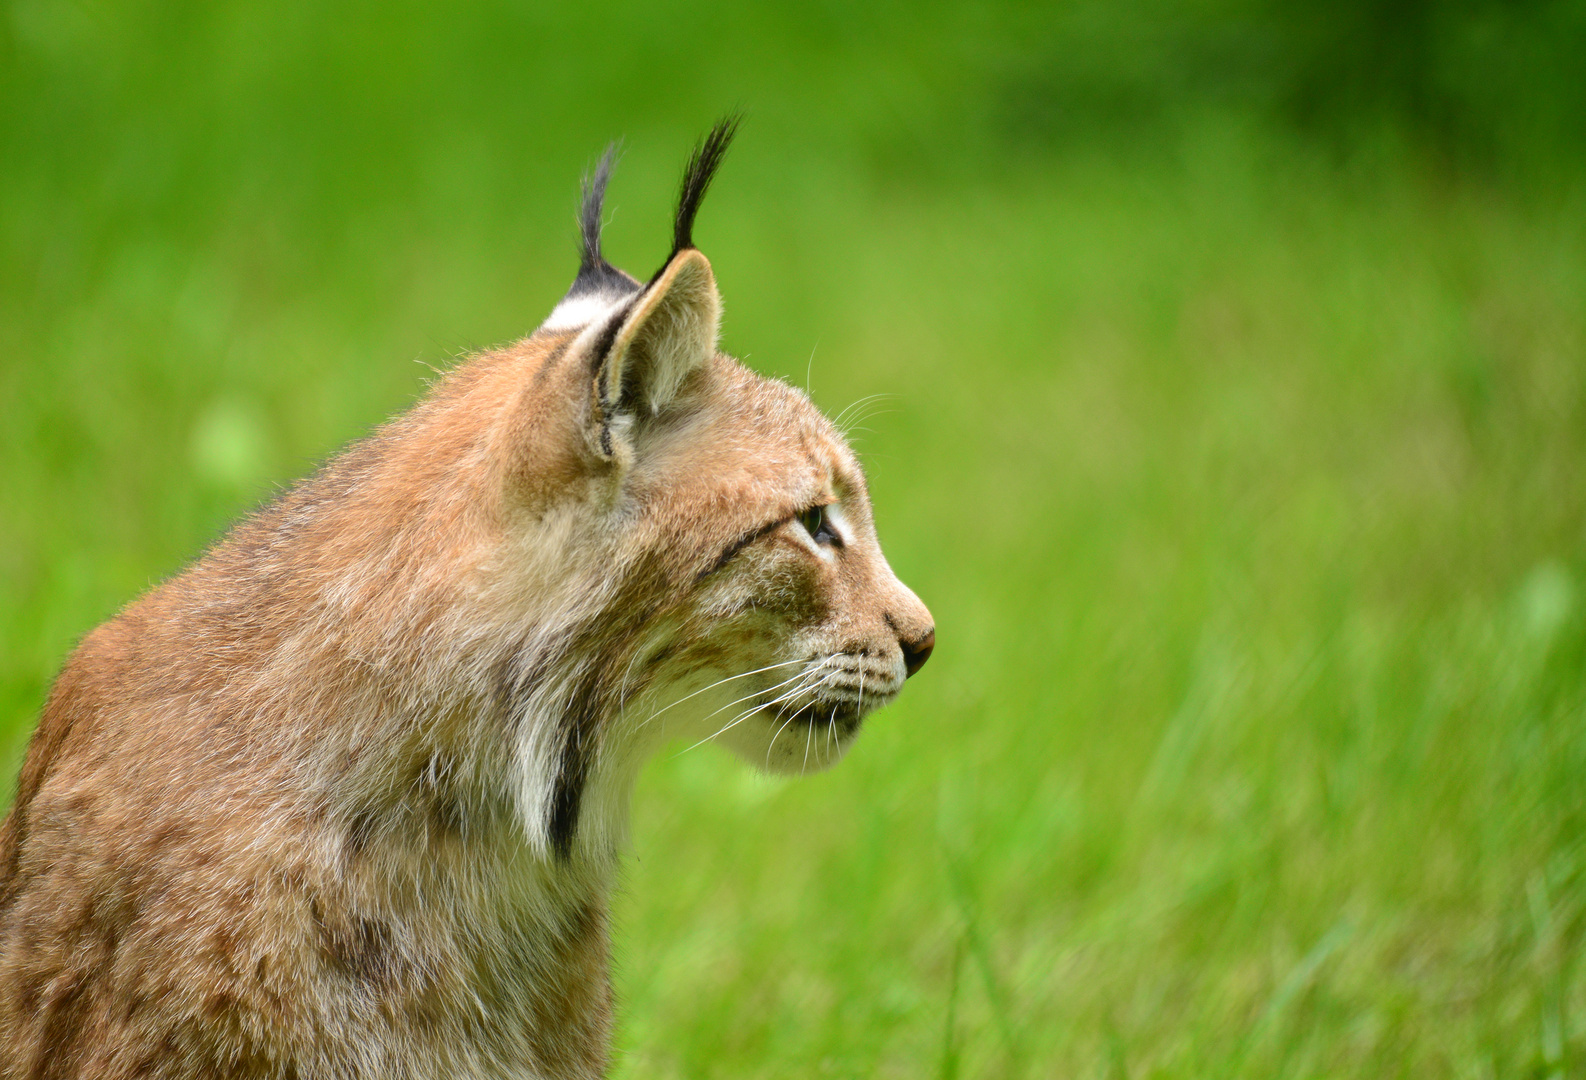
<point x="1244" y="480"/>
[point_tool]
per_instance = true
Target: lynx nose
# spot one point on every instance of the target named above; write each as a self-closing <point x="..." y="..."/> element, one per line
<point x="915" y="653"/>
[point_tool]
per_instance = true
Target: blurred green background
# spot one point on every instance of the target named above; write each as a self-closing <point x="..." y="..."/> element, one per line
<point x="1232" y="362"/>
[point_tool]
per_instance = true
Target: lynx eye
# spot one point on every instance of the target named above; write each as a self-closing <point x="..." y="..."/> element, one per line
<point x="820" y="529"/>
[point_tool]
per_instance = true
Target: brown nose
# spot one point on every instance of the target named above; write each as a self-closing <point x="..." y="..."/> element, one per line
<point x="915" y="653"/>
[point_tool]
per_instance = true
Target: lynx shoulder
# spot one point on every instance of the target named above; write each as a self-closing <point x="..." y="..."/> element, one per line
<point x="346" y="797"/>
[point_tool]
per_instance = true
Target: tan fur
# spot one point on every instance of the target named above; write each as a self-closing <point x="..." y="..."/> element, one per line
<point x="309" y="809"/>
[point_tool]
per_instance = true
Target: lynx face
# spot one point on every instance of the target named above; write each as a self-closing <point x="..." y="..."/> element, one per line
<point x="794" y="614"/>
<point x="747" y="597"/>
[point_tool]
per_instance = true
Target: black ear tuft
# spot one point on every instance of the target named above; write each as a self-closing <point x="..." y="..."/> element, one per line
<point x="594" y="272"/>
<point x="702" y="166"/>
<point x="594" y="195"/>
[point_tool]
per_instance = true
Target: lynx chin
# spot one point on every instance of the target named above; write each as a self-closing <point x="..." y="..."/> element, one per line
<point x="346" y="797"/>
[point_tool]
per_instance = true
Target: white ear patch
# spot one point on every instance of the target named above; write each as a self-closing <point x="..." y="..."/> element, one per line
<point x="577" y="311"/>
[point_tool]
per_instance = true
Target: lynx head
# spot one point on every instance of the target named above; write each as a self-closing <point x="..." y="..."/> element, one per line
<point x="704" y="530"/>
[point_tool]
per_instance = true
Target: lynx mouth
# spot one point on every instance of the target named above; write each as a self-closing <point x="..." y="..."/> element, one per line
<point x="834" y="694"/>
<point x="842" y="716"/>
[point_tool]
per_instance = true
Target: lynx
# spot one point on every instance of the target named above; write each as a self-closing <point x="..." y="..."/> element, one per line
<point x="346" y="798"/>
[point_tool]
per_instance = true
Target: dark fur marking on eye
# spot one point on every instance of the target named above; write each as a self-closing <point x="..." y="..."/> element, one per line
<point x="738" y="545"/>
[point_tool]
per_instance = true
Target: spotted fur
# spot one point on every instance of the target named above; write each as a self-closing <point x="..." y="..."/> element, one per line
<point x="345" y="798"/>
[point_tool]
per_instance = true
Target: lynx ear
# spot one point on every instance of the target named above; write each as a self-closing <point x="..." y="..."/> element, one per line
<point x="658" y="339"/>
<point x="663" y="336"/>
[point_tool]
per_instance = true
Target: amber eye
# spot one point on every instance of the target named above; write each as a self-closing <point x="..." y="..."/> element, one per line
<point x="820" y="530"/>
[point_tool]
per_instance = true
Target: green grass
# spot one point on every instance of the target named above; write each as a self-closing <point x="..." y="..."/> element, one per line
<point x="1249" y="507"/>
<point x="1245" y="485"/>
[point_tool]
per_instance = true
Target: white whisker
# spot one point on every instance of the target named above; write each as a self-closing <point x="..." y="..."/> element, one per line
<point x="757" y="707"/>
<point x="855" y="407"/>
<point x="758" y="693"/>
<point x="751" y="710"/>
<point x="712" y="686"/>
<point x="822" y="677"/>
<point x="777" y="736"/>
